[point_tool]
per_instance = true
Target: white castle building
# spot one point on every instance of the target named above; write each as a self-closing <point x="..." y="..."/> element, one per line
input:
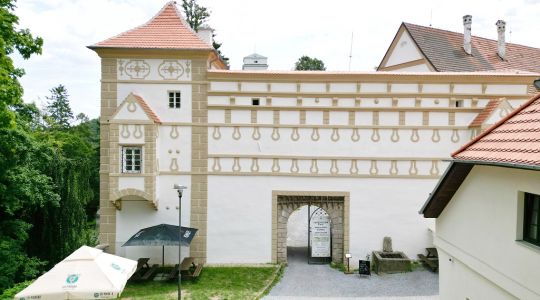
<point x="254" y="146"/>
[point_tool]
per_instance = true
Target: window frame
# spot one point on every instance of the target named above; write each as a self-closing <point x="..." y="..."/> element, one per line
<point x="528" y="208"/>
<point x="174" y="99"/>
<point x="130" y="168"/>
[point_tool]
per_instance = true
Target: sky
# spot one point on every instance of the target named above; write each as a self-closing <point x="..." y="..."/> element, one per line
<point x="282" y="30"/>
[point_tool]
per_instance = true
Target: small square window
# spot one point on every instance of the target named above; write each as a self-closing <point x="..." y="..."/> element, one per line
<point x="174" y="99"/>
<point x="255" y="101"/>
<point x="459" y="103"/>
<point x="531" y="224"/>
<point x="131" y="159"/>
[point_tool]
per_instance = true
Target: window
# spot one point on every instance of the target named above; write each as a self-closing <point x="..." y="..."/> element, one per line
<point x="131" y="159"/>
<point x="255" y="101"/>
<point x="459" y="103"/>
<point x="531" y="226"/>
<point x="174" y="99"/>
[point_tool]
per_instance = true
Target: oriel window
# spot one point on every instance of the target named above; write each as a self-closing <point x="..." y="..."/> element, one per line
<point x="131" y="159"/>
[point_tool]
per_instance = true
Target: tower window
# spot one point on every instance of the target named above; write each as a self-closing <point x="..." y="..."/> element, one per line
<point x="174" y="99"/>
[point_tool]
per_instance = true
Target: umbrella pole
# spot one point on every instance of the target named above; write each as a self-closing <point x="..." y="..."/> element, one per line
<point x="163" y="256"/>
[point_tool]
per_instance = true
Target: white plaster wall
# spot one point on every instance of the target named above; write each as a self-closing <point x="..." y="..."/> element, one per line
<point x="223" y="86"/>
<point x="479" y="227"/>
<point x="218" y="100"/>
<point x="283" y="87"/>
<point x="179" y="148"/>
<point x="404" y="88"/>
<point x="404" y="51"/>
<point x="125" y="114"/>
<point x="435" y="88"/>
<point x="373" y="87"/>
<point x="316" y="102"/>
<point x="131" y="183"/>
<point x="239" y="214"/>
<point x="417" y="68"/>
<point x="289" y="117"/>
<point x="312" y="87"/>
<point x="507" y="89"/>
<point x="457" y="281"/>
<point x="496" y="116"/>
<point x="254" y="86"/>
<point x="343" y="87"/>
<point x="284" y="101"/>
<point x="468" y="88"/>
<point x="136" y="215"/>
<point x="216" y="116"/>
<point x="126" y="134"/>
<point x="241" y="116"/>
<point x="339" y="118"/>
<point x="157" y="97"/>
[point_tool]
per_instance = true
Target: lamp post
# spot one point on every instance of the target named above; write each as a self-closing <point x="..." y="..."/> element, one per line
<point x="180" y="189"/>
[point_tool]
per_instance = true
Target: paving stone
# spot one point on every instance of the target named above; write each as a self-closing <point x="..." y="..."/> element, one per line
<point x="304" y="281"/>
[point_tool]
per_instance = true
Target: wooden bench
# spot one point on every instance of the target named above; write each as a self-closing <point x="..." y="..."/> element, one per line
<point x="431" y="259"/>
<point x="150" y="272"/>
<point x="173" y="273"/>
<point x="142" y="266"/>
<point x="195" y="274"/>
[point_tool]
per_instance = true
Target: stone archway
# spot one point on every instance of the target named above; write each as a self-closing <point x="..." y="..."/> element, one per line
<point x="336" y="204"/>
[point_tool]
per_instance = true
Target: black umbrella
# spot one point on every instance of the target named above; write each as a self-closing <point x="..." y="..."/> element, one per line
<point x="162" y="235"/>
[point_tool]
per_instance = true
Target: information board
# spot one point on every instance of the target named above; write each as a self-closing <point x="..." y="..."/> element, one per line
<point x="320" y="236"/>
<point x="364" y="267"/>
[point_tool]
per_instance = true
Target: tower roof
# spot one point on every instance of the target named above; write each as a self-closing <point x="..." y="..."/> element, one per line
<point x="166" y="30"/>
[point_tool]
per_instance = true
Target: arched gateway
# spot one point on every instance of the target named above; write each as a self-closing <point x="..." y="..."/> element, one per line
<point x="336" y="204"/>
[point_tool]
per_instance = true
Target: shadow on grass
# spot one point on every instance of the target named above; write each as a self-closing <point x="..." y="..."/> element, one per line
<point x="213" y="283"/>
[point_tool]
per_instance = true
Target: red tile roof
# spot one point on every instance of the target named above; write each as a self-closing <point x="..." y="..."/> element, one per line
<point x="166" y="30"/>
<point x="149" y="112"/>
<point x="513" y="140"/>
<point x="444" y="50"/>
<point x="485" y="113"/>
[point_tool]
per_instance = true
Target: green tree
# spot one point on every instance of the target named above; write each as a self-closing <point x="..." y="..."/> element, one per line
<point x="12" y="40"/>
<point x="306" y="63"/>
<point x="196" y="15"/>
<point x="59" y="113"/>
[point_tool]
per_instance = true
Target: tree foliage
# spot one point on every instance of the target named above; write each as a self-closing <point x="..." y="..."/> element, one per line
<point x="48" y="174"/>
<point x="196" y="16"/>
<point x="306" y="63"/>
<point x="12" y="40"/>
<point x="59" y="113"/>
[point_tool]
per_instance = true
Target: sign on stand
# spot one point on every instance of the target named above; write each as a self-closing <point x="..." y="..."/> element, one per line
<point x="320" y="237"/>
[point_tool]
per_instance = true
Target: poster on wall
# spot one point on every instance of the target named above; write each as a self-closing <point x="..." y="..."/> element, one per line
<point x="320" y="236"/>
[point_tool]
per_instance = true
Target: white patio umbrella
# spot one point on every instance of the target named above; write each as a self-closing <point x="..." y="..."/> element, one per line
<point x="88" y="273"/>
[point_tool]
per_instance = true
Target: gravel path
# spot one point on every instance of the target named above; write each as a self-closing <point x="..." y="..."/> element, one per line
<point x="304" y="281"/>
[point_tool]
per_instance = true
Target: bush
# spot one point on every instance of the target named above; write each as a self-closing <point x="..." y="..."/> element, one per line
<point x="10" y="293"/>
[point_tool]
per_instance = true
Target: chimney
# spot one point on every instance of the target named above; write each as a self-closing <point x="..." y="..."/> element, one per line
<point x="501" y="49"/>
<point x="205" y="33"/>
<point x="467" y="22"/>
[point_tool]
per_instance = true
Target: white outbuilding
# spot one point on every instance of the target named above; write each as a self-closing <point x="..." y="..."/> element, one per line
<point x="487" y="210"/>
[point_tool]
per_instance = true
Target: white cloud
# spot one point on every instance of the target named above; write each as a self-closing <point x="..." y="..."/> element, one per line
<point x="282" y="30"/>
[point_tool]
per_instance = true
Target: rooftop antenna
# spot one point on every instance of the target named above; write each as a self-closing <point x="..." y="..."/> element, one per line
<point x="350" y="52"/>
<point x="430" y="17"/>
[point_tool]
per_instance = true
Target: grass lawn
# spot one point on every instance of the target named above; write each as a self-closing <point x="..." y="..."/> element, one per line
<point x="213" y="283"/>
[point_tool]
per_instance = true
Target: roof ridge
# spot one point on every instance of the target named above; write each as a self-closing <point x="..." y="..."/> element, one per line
<point x="472" y="36"/>
<point x="496" y="125"/>
<point x="184" y="21"/>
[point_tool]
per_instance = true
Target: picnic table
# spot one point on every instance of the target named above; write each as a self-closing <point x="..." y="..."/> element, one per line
<point x="431" y="259"/>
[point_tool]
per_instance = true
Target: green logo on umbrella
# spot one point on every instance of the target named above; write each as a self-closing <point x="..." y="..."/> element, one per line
<point x="115" y="266"/>
<point x="72" y="278"/>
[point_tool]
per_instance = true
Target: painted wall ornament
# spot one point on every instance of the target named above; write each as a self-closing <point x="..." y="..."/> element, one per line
<point x="137" y="69"/>
<point x="295" y="136"/>
<point x="256" y="134"/>
<point x="170" y="69"/>
<point x="355" y="136"/>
